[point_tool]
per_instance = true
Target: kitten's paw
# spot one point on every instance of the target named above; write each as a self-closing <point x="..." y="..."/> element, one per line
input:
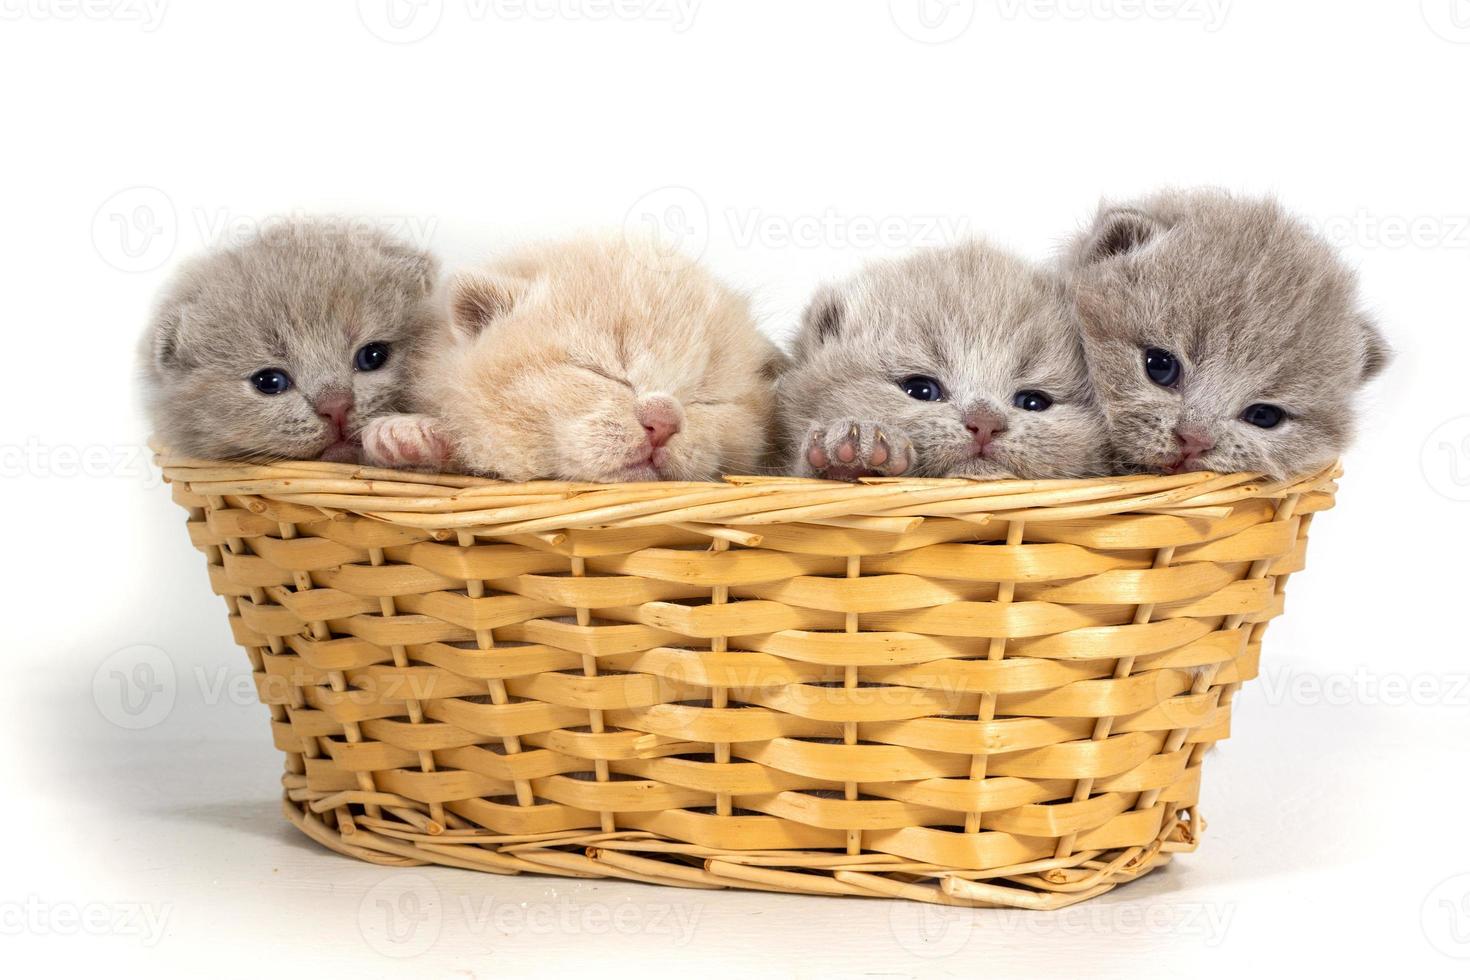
<point x="406" y="442"/>
<point x="847" y="450"/>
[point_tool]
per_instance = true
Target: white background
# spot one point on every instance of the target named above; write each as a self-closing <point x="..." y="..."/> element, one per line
<point x="800" y="140"/>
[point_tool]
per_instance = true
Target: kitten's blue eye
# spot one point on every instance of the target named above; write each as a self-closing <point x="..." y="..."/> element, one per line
<point x="1032" y="401"/>
<point x="270" y="381"/>
<point x="921" y="388"/>
<point x="370" y="357"/>
<point x="1265" y="416"/>
<point x="1161" y="366"/>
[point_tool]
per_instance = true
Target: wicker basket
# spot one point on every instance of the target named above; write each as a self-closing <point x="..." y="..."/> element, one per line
<point x="993" y="694"/>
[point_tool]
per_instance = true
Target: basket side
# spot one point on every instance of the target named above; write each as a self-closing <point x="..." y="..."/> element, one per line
<point x="1008" y="708"/>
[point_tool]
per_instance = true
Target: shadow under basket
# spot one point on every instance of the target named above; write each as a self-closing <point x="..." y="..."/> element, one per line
<point x="989" y="694"/>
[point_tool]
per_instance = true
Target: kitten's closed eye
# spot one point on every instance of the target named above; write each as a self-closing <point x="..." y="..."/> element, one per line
<point x="1162" y="367"/>
<point x="922" y="388"/>
<point x="371" y="357"/>
<point x="271" y="381"/>
<point x="611" y="368"/>
<point x="604" y="375"/>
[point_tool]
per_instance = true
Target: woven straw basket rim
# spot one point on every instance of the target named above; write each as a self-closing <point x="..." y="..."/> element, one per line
<point x="990" y="694"/>
<point x="443" y="501"/>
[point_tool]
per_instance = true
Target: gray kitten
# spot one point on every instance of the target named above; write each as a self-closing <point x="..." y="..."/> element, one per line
<point x="957" y="361"/>
<point x="1222" y="334"/>
<point x="285" y="346"/>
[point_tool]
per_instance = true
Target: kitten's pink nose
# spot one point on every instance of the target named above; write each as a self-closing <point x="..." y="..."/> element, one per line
<point x="984" y="426"/>
<point x="660" y="417"/>
<point x="1193" y="440"/>
<point x="334" y="406"/>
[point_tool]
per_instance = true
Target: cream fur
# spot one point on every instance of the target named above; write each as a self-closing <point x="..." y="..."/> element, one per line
<point x="555" y="360"/>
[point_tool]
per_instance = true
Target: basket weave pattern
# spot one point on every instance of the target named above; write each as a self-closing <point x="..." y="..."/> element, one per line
<point x="994" y="694"/>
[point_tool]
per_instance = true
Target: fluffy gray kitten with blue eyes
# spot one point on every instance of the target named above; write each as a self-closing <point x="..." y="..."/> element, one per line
<point x="284" y="346"/>
<point x="956" y="361"/>
<point x="1222" y="334"/>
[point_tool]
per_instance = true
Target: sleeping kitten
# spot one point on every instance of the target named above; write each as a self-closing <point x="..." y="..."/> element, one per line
<point x="582" y="361"/>
<point x="1221" y="333"/>
<point x="282" y="347"/>
<point x="957" y="361"/>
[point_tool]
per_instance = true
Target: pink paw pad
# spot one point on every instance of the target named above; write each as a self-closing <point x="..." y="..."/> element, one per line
<point x="849" y="450"/>
<point x="405" y="441"/>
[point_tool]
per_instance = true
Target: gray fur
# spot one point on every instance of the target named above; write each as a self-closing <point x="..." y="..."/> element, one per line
<point x="302" y="297"/>
<point x="986" y="325"/>
<point x="1257" y="307"/>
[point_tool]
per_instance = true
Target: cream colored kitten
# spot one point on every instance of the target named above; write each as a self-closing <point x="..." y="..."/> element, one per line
<point x="584" y="361"/>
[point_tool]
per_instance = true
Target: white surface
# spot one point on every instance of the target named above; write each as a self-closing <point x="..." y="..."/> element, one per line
<point x="796" y="131"/>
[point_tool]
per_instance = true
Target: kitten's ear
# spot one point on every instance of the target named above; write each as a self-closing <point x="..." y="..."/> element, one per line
<point x="1376" y="352"/>
<point x="477" y="299"/>
<point x="418" y="269"/>
<point x="166" y="337"/>
<point x="1118" y="231"/>
<point x="823" y="319"/>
